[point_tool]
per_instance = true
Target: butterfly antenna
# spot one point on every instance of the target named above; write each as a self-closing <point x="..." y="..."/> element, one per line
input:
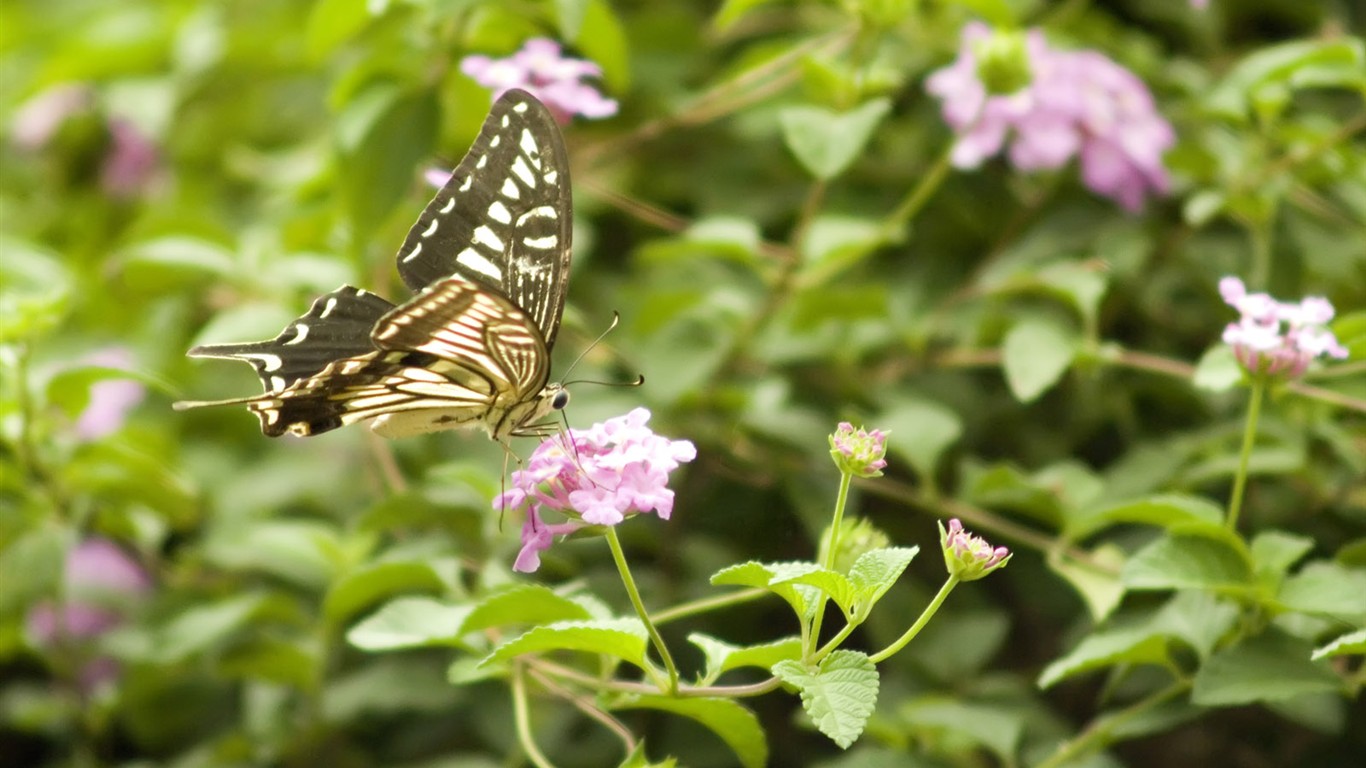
<point x="616" y="318"/>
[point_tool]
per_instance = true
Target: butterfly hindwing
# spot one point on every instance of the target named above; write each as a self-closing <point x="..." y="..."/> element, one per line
<point x="505" y="217"/>
<point x="338" y="325"/>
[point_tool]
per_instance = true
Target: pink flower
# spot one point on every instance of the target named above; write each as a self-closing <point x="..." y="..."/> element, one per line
<point x="598" y="476"/>
<point x="110" y="399"/>
<point x="130" y="163"/>
<point x="1274" y="338"/>
<point x="541" y="69"/>
<point x="859" y="452"/>
<point x="1077" y="104"/>
<point x="129" y="160"/>
<point x="967" y="556"/>
<point x="101" y="583"/>
<point x="37" y="120"/>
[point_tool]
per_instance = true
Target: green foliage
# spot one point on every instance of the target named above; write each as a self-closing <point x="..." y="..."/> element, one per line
<point x="774" y="214"/>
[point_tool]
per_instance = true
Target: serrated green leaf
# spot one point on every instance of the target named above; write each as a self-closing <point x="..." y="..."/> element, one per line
<point x="624" y="639"/>
<point x="830" y="583"/>
<point x="1095" y="578"/>
<point x="1350" y="644"/>
<point x="721" y="657"/>
<point x="366" y="586"/>
<point x="1035" y="355"/>
<point x="736" y="725"/>
<point x="523" y="604"/>
<point x="826" y="142"/>
<point x="1265" y="668"/>
<point x="409" y="622"/>
<point x="839" y="695"/>
<point x="755" y="574"/>
<point x="874" y="572"/>
<point x="1142" y="644"/>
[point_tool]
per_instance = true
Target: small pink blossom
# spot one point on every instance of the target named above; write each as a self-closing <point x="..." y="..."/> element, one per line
<point x="37" y="120"/>
<point x="1274" y="338"/>
<point x="967" y="556"/>
<point x="598" y="476"/>
<point x="1078" y="104"/>
<point x="130" y="163"/>
<point x="859" y="452"/>
<point x="110" y="399"/>
<point x="541" y="69"/>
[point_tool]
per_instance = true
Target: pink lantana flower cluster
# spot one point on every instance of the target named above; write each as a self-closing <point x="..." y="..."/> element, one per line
<point x="597" y="476"/>
<point x="967" y="556"/>
<point x="859" y="452"/>
<point x="110" y="399"/>
<point x="1077" y="103"/>
<point x="541" y="69"/>
<point x="1275" y="338"/>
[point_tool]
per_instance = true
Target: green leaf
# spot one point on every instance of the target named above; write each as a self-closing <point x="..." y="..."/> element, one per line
<point x="832" y="583"/>
<point x="1095" y="578"/>
<point x="997" y="728"/>
<point x="1035" y="355"/>
<point x="366" y="586"/>
<point x="1275" y="552"/>
<point x="1141" y="644"/>
<point x="409" y="622"/>
<point x="569" y="15"/>
<point x="756" y="574"/>
<point x="826" y="142"/>
<point x="732" y="11"/>
<point x="333" y="22"/>
<point x="198" y="629"/>
<point x="1312" y="63"/>
<point x="835" y="242"/>
<point x="1268" y="667"/>
<point x="736" y="725"/>
<point x="603" y="40"/>
<point x="1218" y="370"/>
<point x="295" y="550"/>
<point x="34" y="289"/>
<point x="523" y="604"/>
<point x="1188" y="562"/>
<point x="1350" y="644"/>
<point x="873" y="573"/>
<point x="1164" y="510"/>
<point x="1327" y="589"/>
<point x="294" y="664"/>
<point x="921" y="430"/>
<point x="624" y="639"/>
<point x="1200" y="619"/>
<point x="165" y="263"/>
<point x="721" y="657"/>
<point x="1083" y="286"/>
<point x="839" y="695"/>
<point x="32" y="564"/>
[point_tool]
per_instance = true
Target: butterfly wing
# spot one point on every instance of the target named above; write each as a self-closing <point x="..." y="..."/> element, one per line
<point x="338" y="325"/>
<point x="505" y="218"/>
<point x="455" y="355"/>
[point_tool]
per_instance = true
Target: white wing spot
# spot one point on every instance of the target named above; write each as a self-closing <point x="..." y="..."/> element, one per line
<point x="411" y="256"/>
<point x="464" y="187"/>
<point x="519" y="108"/>
<point x="528" y="143"/>
<point x="500" y="213"/>
<point x="510" y="189"/>
<point x="269" y="362"/>
<point x="450" y="204"/>
<point x="332" y="304"/>
<point x="435" y="223"/>
<point x="484" y="235"/>
<point x="495" y="141"/>
<point x="552" y="177"/>
<point x="473" y="260"/>
<point x="300" y="333"/>
<point x="506" y="120"/>
<point x="277" y="383"/>
<point x="547" y="242"/>
<point x="483" y="161"/>
<point x="523" y="172"/>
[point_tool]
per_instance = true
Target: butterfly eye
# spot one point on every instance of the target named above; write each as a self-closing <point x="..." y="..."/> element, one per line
<point x="561" y="400"/>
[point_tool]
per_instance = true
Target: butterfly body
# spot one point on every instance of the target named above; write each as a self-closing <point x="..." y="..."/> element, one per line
<point x="489" y="260"/>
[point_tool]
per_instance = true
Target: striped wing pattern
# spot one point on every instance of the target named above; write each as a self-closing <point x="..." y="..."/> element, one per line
<point x="489" y="262"/>
<point x="461" y="355"/>
<point x="505" y="217"/>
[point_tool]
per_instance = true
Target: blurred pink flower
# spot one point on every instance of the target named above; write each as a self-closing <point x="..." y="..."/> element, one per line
<point x="110" y="399"/>
<point x="1078" y="103"/>
<point x="37" y="120"/>
<point x="130" y="163"/>
<point x="541" y="69"/>
<point x="129" y="160"/>
<point x="597" y="476"/>
<point x="100" y="585"/>
<point x="1275" y="338"/>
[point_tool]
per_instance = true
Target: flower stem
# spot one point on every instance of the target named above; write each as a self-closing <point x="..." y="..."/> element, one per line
<point x="1254" y="408"/>
<point x="523" y="719"/>
<point x="1099" y="732"/>
<point x="828" y="562"/>
<point x="626" y="578"/>
<point x="919" y="624"/>
<point x="917" y="197"/>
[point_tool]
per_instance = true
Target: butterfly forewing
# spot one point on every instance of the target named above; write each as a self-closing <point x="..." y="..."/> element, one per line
<point x="505" y="217"/>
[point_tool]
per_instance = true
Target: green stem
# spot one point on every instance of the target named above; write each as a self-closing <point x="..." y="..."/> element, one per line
<point x="523" y="719"/>
<point x="831" y="547"/>
<point x="919" y="624"/>
<point x="626" y="578"/>
<point x="1254" y="408"/>
<point x="684" y="610"/>
<point x="1096" y="735"/>
<point x="918" y="196"/>
<point x="1260" y="230"/>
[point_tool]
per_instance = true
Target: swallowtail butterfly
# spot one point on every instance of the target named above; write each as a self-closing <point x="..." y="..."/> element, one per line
<point x="489" y="263"/>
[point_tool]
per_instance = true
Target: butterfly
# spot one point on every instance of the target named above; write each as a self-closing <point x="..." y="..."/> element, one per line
<point x="488" y="260"/>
